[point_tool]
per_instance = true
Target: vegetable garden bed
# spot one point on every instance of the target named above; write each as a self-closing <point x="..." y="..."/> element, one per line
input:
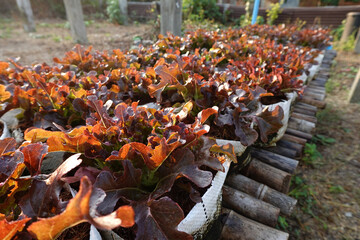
<point x="149" y="130"/>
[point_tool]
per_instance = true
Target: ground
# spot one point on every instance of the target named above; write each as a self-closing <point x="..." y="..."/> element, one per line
<point x="53" y="38"/>
<point x="326" y="187"/>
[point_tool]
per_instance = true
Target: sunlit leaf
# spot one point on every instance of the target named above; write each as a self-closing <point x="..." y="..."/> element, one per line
<point x="80" y="209"/>
<point x="9" y="229"/>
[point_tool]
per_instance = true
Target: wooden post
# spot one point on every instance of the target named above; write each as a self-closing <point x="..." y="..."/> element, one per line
<point x="283" y="163"/>
<point x="123" y="4"/>
<point x="287" y="152"/>
<point x="304" y="117"/>
<point x="354" y="96"/>
<point x="27" y="15"/>
<point x="238" y="227"/>
<point x="75" y="16"/>
<point x="294" y="139"/>
<point x="260" y="191"/>
<point x="298" y="133"/>
<point x="357" y="43"/>
<point x="301" y="125"/>
<point x="271" y="176"/>
<point x="292" y="145"/>
<point x="171" y="16"/>
<point x="316" y="103"/>
<point x="352" y="23"/>
<point x="250" y="207"/>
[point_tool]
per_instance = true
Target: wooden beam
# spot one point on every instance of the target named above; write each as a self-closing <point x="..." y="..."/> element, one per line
<point x="289" y="144"/>
<point x="271" y="176"/>
<point x="250" y="207"/>
<point x="294" y="139"/>
<point x="238" y="227"/>
<point x="284" y="163"/>
<point x="354" y="96"/>
<point x="287" y="152"/>
<point x="75" y="17"/>
<point x="262" y="192"/>
<point x="357" y="42"/>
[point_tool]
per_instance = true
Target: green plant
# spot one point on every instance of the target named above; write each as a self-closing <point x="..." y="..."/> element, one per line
<point x="336" y="189"/>
<point x="6" y="33"/>
<point x="282" y="223"/>
<point x="246" y="19"/>
<point x="349" y="44"/>
<point x="89" y="22"/>
<point x="201" y="9"/>
<point x="274" y="11"/>
<point x="337" y="32"/>
<point x="56" y="39"/>
<point x="324" y="140"/>
<point x="113" y="12"/>
<point x="304" y="194"/>
<point x="311" y="154"/>
<point x="332" y="84"/>
<point x="328" y="115"/>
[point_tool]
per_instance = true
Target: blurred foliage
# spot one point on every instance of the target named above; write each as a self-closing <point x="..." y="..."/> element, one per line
<point x="349" y="44"/>
<point x="329" y="2"/>
<point x="273" y="12"/>
<point x="113" y="11"/>
<point x="198" y="10"/>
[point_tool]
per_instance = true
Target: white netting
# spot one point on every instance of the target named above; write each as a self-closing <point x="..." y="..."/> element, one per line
<point x="205" y="212"/>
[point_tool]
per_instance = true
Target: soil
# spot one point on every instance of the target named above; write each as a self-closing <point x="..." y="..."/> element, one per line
<point x="53" y="38"/>
<point x="329" y="196"/>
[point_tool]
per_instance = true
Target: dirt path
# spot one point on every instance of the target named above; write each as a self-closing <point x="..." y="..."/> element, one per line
<point x="53" y="39"/>
<point x="327" y="187"/>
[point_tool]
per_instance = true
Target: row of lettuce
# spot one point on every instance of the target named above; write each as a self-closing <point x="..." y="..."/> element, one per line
<point x="139" y="119"/>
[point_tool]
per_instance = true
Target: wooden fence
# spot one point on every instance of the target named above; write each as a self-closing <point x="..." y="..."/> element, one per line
<point x="326" y="16"/>
<point x="142" y="11"/>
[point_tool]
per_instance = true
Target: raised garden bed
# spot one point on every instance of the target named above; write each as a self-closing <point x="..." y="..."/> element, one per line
<point x="142" y="128"/>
